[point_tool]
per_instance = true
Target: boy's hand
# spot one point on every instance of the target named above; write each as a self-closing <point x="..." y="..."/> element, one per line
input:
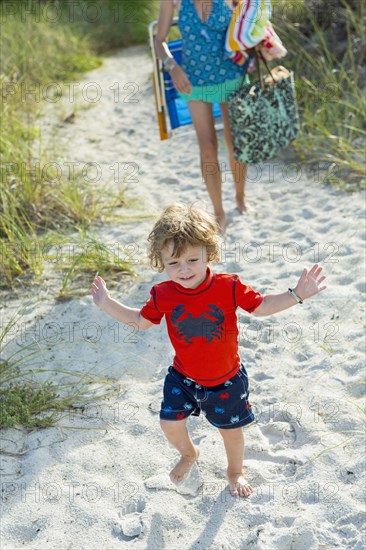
<point x="309" y="282"/>
<point x="99" y="291"/>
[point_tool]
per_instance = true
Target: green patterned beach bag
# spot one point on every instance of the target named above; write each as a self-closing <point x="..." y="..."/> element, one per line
<point x="263" y="115"/>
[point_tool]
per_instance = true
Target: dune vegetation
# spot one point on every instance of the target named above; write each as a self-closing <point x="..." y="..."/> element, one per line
<point x="46" y="44"/>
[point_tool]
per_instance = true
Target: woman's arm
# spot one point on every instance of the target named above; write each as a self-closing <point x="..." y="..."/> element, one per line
<point x="165" y="20"/>
<point x="179" y="77"/>
<point x="308" y="285"/>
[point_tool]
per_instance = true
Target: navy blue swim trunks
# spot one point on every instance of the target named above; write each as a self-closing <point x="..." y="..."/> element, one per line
<point x="225" y="405"/>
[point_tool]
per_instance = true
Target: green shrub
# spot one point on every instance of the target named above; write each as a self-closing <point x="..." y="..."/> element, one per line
<point x="328" y="60"/>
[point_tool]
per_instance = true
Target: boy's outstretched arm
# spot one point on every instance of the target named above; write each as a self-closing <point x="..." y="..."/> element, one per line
<point x="124" y="314"/>
<point x="308" y="285"/>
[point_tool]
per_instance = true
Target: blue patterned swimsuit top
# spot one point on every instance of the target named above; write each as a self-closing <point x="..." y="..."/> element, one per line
<point x="203" y="44"/>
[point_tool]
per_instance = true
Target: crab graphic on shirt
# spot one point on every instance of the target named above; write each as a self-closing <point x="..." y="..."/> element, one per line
<point x="206" y="325"/>
<point x="234" y="419"/>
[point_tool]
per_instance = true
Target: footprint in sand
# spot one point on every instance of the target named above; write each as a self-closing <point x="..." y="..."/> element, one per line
<point x="324" y="227"/>
<point x="361" y="287"/>
<point x="290" y="468"/>
<point x="297" y="236"/>
<point x="326" y="208"/>
<point x="287" y="218"/>
<point x="232" y="267"/>
<point x="261" y="376"/>
<point x="131" y="523"/>
<point x="189" y="486"/>
<point x="301" y="537"/>
<point x="24" y="533"/>
<point x="345" y="281"/>
<point x="307" y="214"/>
<point x="169" y="181"/>
<point x="147" y="156"/>
<point x="278" y="432"/>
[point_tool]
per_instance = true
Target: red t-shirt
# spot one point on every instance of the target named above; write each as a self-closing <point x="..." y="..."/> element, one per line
<point x="202" y="324"/>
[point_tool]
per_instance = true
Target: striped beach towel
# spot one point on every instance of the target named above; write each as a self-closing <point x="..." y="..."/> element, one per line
<point x="250" y="26"/>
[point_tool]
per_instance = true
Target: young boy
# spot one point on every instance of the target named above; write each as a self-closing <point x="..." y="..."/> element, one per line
<point x="200" y="311"/>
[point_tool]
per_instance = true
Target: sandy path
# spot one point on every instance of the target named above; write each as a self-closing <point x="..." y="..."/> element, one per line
<point x="108" y="487"/>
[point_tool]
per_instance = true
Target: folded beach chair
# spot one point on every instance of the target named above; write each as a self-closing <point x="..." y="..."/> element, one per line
<point x="172" y="112"/>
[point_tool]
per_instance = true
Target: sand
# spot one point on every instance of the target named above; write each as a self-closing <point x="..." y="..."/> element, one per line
<point x="106" y="486"/>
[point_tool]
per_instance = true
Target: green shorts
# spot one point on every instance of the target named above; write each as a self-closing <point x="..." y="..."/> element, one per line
<point x="215" y="92"/>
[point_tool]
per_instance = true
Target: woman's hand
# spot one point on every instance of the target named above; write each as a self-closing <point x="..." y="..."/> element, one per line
<point x="309" y="282"/>
<point x="180" y="80"/>
<point x="99" y="291"/>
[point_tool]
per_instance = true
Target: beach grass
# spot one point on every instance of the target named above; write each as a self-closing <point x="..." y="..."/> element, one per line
<point x="29" y="395"/>
<point x="329" y="89"/>
<point x="35" y="404"/>
<point x="43" y="46"/>
<point x="89" y="258"/>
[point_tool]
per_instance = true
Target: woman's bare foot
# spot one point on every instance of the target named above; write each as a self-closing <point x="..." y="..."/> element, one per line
<point x="243" y="207"/>
<point x="222" y="222"/>
<point x="239" y="485"/>
<point x="182" y="468"/>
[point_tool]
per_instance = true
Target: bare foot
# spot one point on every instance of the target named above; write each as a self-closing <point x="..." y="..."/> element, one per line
<point x="222" y="222"/>
<point x="182" y="468"/>
<point x="244" y="208"/>
<point x="239" y="485"/>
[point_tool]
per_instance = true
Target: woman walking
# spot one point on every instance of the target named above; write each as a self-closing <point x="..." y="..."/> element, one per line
<point x="206" y="75"/>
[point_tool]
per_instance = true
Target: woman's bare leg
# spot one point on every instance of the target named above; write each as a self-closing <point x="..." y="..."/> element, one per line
<point x="203" y="121"/>
<point x="234" y="447"/>
<point x="177" y="434"/>
<point x="239" y="170"/>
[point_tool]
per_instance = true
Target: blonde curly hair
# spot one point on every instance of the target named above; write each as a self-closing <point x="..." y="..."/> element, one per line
<point x="184" y="226"/>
